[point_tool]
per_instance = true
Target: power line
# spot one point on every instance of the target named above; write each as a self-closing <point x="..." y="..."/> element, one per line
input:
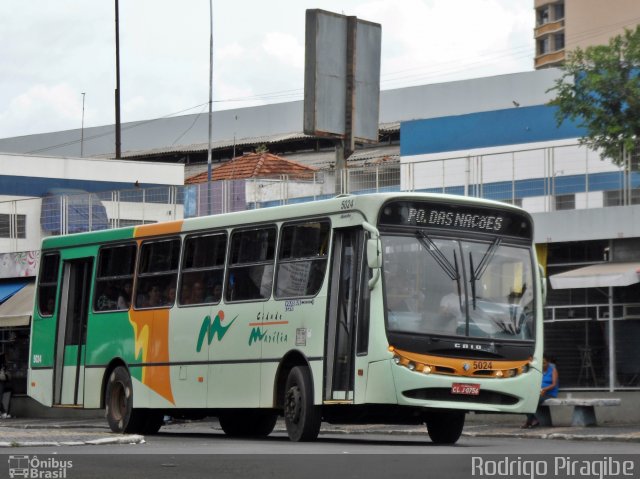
<point x="442" y="69"/>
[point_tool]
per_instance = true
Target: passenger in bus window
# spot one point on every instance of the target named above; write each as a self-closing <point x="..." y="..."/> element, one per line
<point x="196" y="295"/>
<point x="108" y="299"/>
<point x="154" y="298"/>
<point x="170" y="295"/>
<point x="216" y="294"/>
<point x="124" y="298"/>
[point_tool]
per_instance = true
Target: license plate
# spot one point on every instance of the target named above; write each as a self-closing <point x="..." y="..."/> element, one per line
<point x="463" y="388"/>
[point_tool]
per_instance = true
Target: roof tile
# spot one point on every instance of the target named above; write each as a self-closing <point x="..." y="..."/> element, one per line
<point x="255" y="165"/>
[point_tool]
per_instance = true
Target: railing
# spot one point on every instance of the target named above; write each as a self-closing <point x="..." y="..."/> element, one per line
<point x="538" y="179"/>
<point x="595" y="344"/>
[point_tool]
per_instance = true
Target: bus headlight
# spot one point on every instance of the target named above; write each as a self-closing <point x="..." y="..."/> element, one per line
<point x="426" y="369"/>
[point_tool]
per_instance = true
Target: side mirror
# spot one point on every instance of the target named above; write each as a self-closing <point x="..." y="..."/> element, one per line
<point x="543" y="285"/>
<point x="374" y="253"/>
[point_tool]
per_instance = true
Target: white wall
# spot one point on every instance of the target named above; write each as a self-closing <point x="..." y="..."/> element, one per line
<point x="92" y="169"/>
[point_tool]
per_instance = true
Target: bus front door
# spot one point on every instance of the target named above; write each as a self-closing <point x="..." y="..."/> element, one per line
<point x="71" y="332"/>
<point x="344" y="307"/>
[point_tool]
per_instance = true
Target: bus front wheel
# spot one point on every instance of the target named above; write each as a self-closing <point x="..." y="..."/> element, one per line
<point x="118" y="403"/>
<point x="301" y="416"/>
<point x="445" y="427"/>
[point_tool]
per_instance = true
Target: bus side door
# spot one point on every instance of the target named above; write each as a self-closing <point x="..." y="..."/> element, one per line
<point x="71" y="332"/>
<point x="347" y="268"/>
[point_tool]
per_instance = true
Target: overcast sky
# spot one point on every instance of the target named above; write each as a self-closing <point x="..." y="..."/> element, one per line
<point x="54" y="50"/>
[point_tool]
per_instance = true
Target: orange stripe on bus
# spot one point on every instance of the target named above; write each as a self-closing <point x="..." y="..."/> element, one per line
<point x="155" y="229"/>
<point x="268" y="323"/>
<point x="151" y="329"/>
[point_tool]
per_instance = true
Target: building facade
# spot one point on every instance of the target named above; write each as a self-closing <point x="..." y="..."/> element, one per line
<point x="563" y="25"/>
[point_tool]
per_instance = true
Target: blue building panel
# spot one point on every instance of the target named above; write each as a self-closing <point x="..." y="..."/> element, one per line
<point x="484" y="129"/>
<point x="37" y="187"/>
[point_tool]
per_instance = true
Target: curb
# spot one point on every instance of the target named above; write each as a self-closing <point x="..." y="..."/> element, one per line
<point x="131" y="439"/>
<point x="559" y="436"/>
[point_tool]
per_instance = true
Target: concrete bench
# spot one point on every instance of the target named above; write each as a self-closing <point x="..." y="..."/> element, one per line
<point x="584" y="413"/>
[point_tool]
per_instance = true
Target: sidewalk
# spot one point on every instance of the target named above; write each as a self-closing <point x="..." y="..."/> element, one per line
<point x="17" y="432"/>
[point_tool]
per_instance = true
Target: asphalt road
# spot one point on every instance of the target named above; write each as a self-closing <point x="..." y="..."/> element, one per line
<point x="186" y="453"/>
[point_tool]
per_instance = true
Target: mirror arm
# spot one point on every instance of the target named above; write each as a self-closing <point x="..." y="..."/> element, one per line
<point x="375" y="234"/>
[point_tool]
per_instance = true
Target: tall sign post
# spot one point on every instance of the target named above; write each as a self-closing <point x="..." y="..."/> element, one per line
<point x="342" y="83"/>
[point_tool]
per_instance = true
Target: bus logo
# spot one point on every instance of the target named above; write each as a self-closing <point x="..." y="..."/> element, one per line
<point x="210" y="329"/>
<point x="26" y="466"/>
<point x="259" y="335"/>
<point x="18" y="466"/>
<point x="476" y="347"/>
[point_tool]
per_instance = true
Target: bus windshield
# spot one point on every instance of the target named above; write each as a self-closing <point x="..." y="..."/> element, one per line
<point x="456" y="287"/>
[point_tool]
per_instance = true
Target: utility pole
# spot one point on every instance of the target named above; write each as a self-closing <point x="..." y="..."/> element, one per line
<point x="210" y="106"/>
<point x="118" y="143"/>
<point x="82" y="129"/>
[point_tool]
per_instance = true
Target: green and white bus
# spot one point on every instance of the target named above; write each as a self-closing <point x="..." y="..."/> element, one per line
<point x="403" y="308"/>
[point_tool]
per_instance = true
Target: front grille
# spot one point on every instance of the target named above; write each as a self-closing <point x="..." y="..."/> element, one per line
<point x="444" y="394"/>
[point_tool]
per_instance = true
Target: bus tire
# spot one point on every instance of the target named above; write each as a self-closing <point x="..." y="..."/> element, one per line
<point x="445" y="427"/>
<point x="301" y="416"/>
<point x="118" y="401"/>
<point x="249" y="423"/>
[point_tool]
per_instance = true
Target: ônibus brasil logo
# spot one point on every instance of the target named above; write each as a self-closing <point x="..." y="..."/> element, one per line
<point x="27" y="466"/>
<point x="212" y="328"/>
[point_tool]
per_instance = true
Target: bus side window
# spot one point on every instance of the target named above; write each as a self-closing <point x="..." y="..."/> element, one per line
<point x="251" y="259"/>
<point x="203" y="269"/>
<point x="157" y="273"/>
<point x="48" y="284"/>
<point x="302" y="259"/>
<point x="114" y="278"/>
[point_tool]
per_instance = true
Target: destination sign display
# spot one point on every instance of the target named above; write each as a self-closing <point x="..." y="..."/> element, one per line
<point x="457" y="217"/>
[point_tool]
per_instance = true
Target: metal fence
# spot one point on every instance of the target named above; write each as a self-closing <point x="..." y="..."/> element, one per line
<point x="538" y="179"/>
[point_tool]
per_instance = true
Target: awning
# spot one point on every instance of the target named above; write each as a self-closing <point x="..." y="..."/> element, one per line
<point x="9" y="288"/>
<point x="598" y="276"/>
<point x="17" y="310"/>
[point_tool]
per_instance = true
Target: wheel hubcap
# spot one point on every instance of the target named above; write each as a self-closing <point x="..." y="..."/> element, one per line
<point x="293" y="405"/>
<point x="118" y="402"/>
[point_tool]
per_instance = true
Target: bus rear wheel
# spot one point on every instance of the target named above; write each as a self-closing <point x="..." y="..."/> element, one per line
<point x="301" y="416"/>
<point x="445" y="426"/>
<point x="118" y="401"/>
<point x="249" y="423"/>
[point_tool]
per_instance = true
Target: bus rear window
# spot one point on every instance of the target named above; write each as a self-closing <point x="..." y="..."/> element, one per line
<point x="48" y="284"/>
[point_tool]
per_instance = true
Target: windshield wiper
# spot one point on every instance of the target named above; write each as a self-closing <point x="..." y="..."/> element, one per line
<point x="450" y="269"/>
<point x="476" y="273"/>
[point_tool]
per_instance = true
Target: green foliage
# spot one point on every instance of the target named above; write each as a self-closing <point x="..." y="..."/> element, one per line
<point x="600" y="91"/>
